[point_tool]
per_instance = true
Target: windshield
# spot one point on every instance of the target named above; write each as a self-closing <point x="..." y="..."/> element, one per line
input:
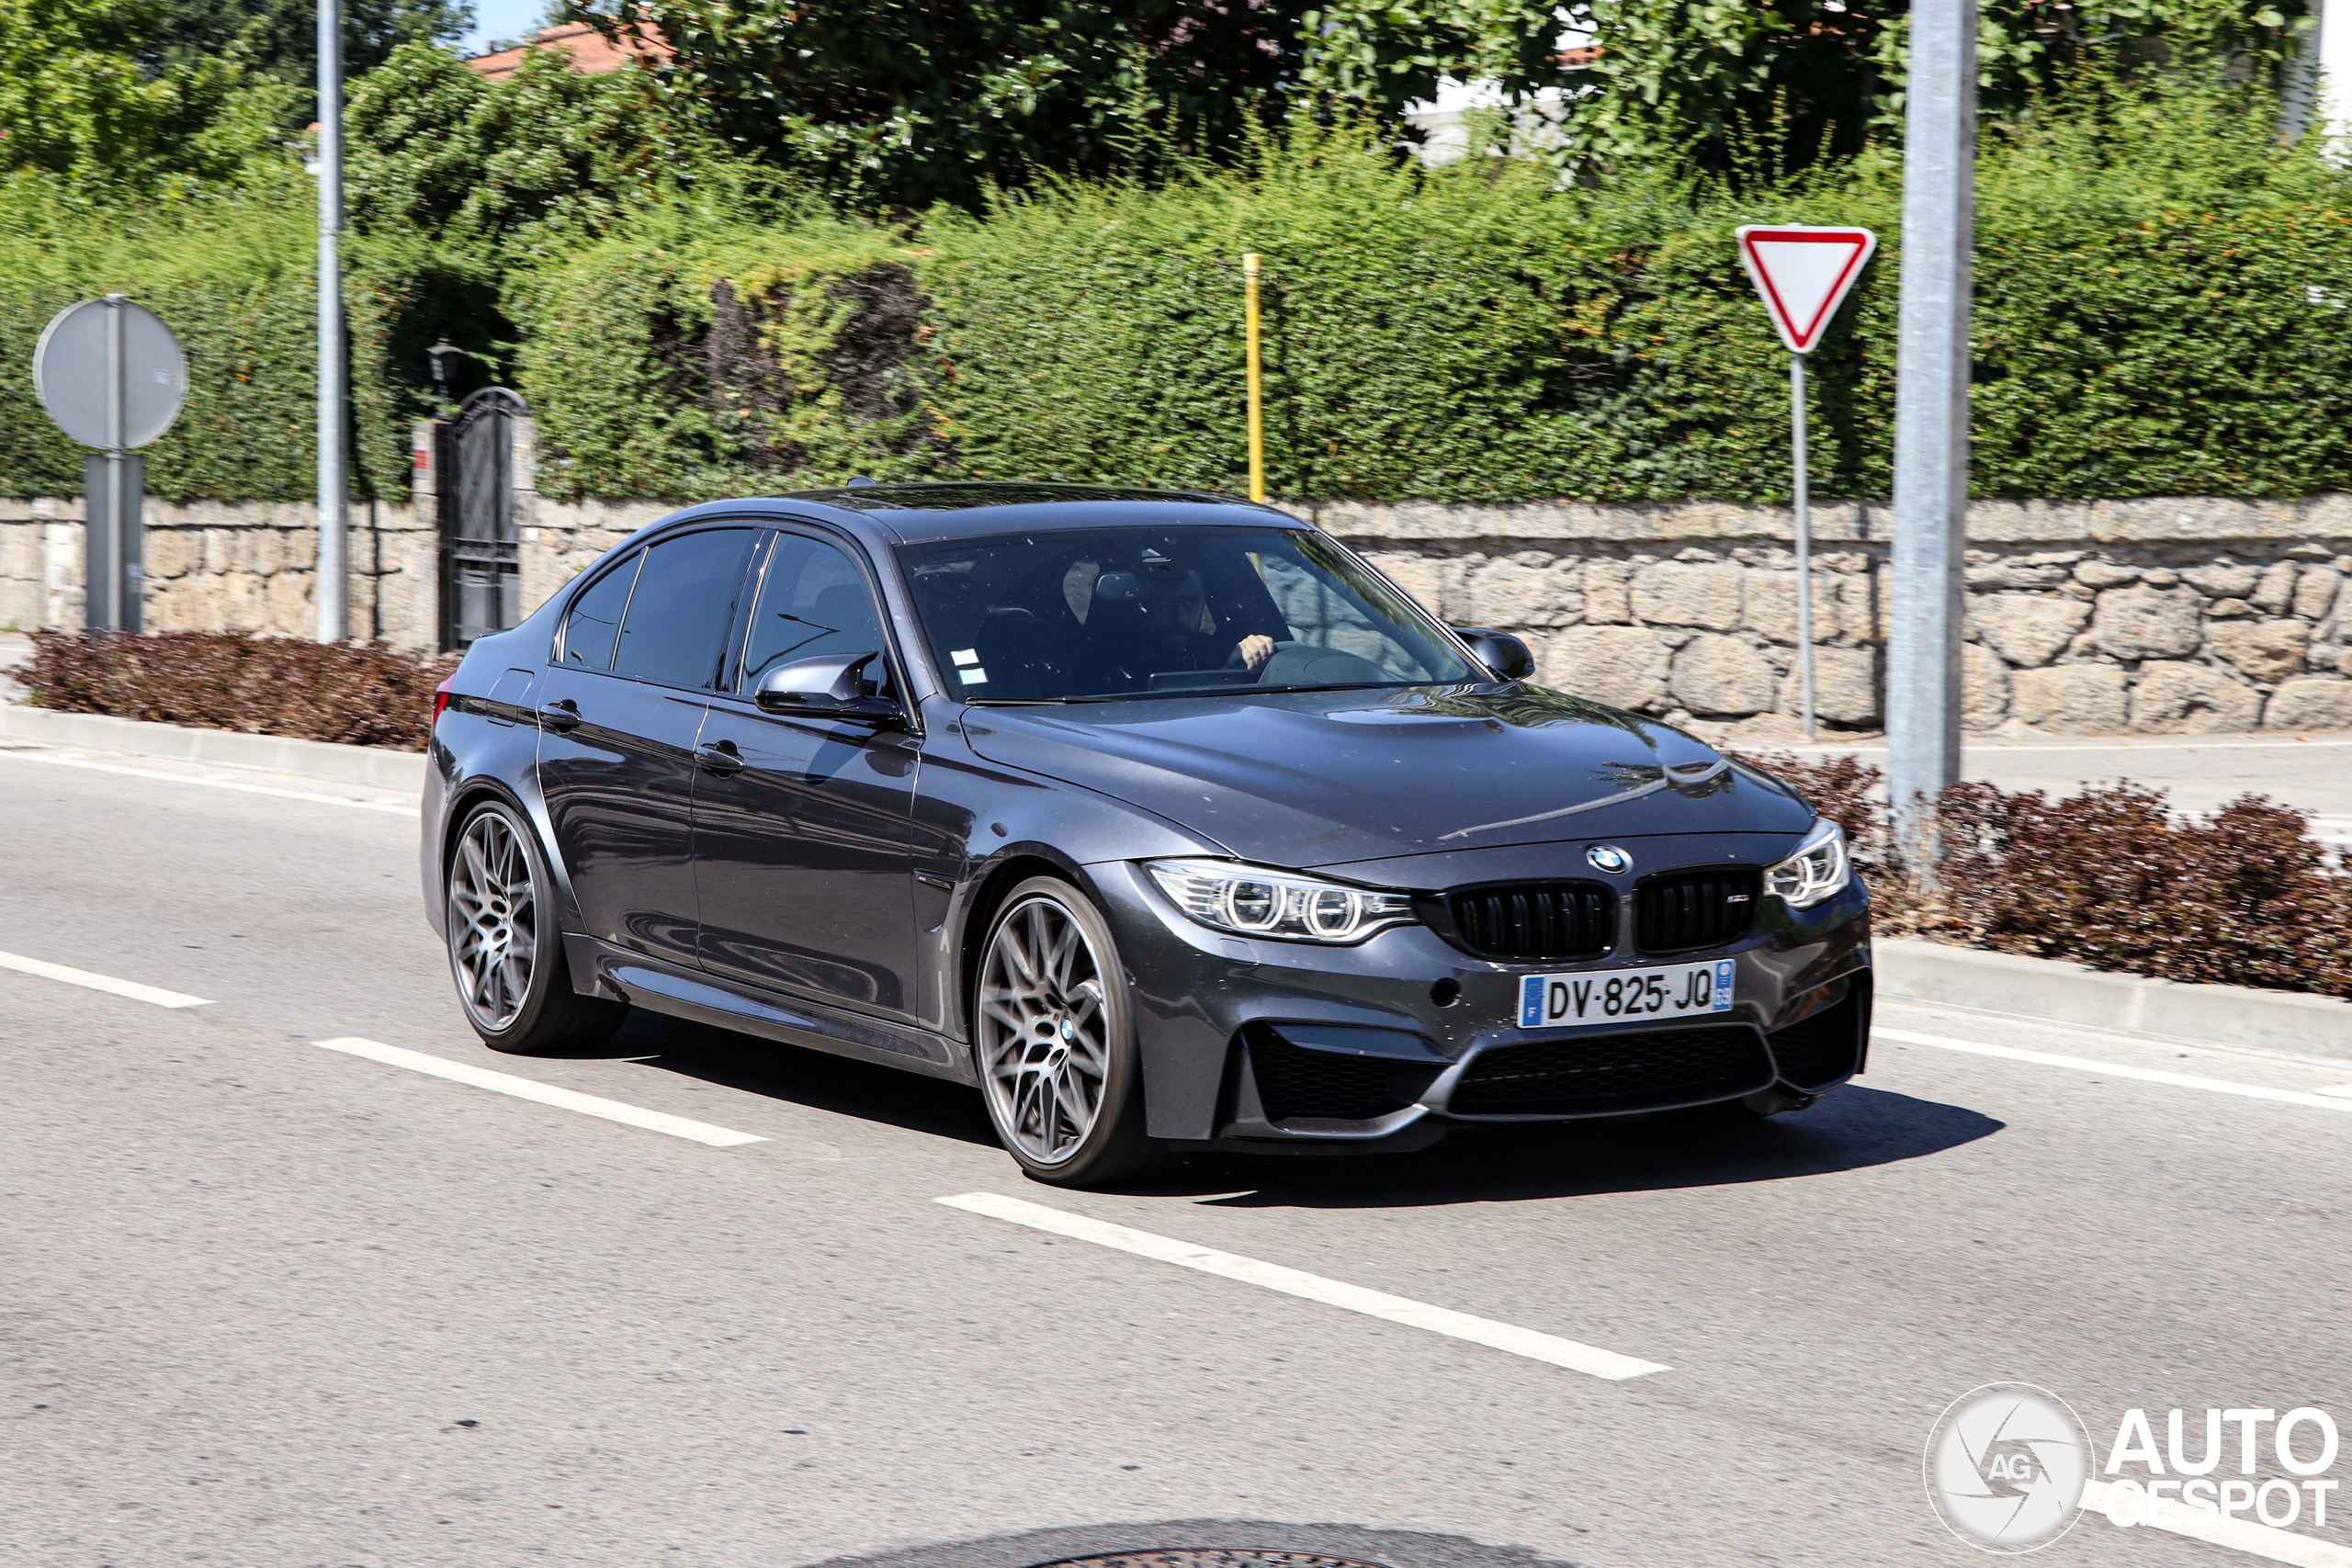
<point x="1069" y="616"/>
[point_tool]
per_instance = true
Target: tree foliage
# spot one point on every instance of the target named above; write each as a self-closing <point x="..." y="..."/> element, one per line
<point x="912" y="102"/>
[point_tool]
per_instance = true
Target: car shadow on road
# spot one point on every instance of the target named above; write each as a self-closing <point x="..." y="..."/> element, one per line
<point x="816" y="1079"/>
<point x="1852" y="1128"/>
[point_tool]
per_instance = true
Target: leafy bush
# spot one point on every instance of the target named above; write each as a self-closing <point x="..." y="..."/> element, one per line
<point x="358" y="695"/>
<point x="2109" y="877"/>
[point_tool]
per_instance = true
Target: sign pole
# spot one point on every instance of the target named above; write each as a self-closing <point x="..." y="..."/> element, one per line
<point x="1923" y="694"/>
<point x="1257" y="379"/>
<point x="111" y="597"/>
<point x="332" y="584"/>
<point x="1805" y="538"/>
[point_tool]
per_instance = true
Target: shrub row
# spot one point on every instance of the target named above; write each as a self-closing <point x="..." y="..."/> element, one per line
<point x="358" y="695"/>
<point x="2109" y="877"/>
<point x="2164" y="307"/>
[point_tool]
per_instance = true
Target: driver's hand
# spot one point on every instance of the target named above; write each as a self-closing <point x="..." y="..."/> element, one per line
<point x="1255" y="650"/>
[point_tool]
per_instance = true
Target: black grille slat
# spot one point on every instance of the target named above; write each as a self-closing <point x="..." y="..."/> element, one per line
<point x="1534" y="920"/>
<point x="1687" y="909"/>
<point x="1608" y="1073"/>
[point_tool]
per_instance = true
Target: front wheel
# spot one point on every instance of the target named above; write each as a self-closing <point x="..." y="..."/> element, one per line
<point x="1056" y="1042"/>
<point x="505" y="952"/>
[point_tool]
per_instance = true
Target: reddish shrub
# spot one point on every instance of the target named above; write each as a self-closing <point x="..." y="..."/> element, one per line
<point x="2109" y="877"/>
<point x="359" y="694"/>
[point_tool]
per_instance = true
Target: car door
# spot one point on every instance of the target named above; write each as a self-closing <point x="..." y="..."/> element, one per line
<point x="802" y="826"/>
<point x="619" y="717"/>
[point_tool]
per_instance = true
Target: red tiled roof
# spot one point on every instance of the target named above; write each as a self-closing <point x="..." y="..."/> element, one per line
<point x="591" y="53"/>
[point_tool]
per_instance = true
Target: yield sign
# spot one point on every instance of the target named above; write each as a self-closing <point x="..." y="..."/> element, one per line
<point x="1803" y="275"/>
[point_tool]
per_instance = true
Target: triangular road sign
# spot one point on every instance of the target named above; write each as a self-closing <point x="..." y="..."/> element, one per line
<point x="1802" y="274"/>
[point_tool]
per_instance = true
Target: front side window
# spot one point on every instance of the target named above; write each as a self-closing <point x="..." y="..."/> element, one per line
<point x="1126" y="612"/>
<point x="813" y="601"/>
<point x="677" y="618"/>
<point x="595" y="615"/>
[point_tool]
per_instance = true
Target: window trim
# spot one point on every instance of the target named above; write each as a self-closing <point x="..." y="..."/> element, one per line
<point x="740" y="641"/>
<point x="734" y="608"/>
<point x="634" y="561"/>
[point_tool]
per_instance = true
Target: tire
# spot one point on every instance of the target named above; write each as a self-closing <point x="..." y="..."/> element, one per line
<point x="506" y="947"/>
<point x="1053" y="1036"/>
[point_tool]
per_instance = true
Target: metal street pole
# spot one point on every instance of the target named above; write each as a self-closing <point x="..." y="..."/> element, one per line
<point x="1805" y="539"/>
<point x="333" y="571"/>
<point x="1256" y="377"/>
<point x="1922" y="693"/>
<point x="110" y="597"/>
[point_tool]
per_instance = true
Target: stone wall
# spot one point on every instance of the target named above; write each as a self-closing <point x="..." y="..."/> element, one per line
<point x="228" y="566"/>
<point x="2158" y="616"/>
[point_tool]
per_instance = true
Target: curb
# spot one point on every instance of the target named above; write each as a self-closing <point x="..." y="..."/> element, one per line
<point x="369" y="766"/>
<point x="2287" y="1023"/>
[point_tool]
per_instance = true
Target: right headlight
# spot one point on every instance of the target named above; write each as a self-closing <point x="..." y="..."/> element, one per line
<point x="1817" y="870"/>
<point x="1249" y="901"/>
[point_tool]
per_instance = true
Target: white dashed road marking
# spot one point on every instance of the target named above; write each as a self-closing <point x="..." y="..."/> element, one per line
<point x="2320" y="1100"/>
<point x="1568" y="1353"/>
<point x="544" y="1094"/>
<point x="400" y="808"/>
<point x="106" y="983"/>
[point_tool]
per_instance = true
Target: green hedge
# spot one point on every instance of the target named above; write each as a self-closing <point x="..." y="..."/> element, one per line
<point x="235" y="274"/>
<point x="2161" y="311"/>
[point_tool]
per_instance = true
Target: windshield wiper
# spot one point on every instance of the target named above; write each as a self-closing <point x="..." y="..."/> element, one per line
<point x="1018" y="702"/>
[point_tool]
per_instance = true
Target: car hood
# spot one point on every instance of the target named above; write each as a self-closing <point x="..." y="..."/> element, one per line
<point x="1307" y="779"/>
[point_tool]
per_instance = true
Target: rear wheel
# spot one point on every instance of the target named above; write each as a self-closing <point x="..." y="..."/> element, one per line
<point x="1054" y="1040"/>
<point x="505" y="952"/>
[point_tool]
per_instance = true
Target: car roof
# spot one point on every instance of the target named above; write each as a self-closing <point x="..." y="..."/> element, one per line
<point x="921" y="513"/>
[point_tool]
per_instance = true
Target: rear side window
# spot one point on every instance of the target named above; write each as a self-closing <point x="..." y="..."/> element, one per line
<point x="678" y="616"/>
<point x="813" y="601"/>
<point x="595" y="615"/>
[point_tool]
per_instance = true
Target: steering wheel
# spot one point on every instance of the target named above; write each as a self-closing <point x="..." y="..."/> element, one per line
<point x="1304" y="664"/>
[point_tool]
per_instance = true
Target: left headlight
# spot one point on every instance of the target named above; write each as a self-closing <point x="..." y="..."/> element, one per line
<point x="1817" y="870"/>
<point x="1249" y="901"/>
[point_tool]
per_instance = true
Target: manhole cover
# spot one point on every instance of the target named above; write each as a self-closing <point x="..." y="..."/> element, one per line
<point x="1209" y="1557"/>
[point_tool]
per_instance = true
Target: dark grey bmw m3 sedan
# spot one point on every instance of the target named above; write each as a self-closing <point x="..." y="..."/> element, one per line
<point x="1161" y="819"/>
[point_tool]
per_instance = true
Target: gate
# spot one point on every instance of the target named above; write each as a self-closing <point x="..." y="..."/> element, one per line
<point x="482" y="571"/>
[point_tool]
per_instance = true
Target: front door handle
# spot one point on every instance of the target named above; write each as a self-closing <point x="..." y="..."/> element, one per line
<point x="722" y="759"/>
<point x="560" y="716"/>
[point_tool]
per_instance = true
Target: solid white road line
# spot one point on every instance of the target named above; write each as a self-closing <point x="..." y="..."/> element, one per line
<point x="2239" y="1535"/>
<point x="400" y="808"/>
<point x="2342" y="1089"/>
<point x="1484" y="1331"/>
<point x="544" y="1094"/>
<point x="106" y="983"/>
<point x="2116" y="1069"/>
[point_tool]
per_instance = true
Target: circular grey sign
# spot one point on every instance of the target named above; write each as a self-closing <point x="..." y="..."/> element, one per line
<point x="91" y="353"/>
<point x="2005" y="1466"/>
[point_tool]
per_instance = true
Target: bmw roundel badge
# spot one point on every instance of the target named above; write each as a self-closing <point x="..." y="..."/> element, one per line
<point x="1608" y="858"/>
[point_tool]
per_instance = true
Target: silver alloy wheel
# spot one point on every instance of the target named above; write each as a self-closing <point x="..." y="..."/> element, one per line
<point x="493" y="921"/>
<point x="1043" y="1030"/>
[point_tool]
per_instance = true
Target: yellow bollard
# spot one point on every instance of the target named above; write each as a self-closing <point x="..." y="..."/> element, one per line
<point x="1257" y="384"/>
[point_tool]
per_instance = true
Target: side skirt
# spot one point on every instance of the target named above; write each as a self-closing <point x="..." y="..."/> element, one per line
<point x="603" y="969"/>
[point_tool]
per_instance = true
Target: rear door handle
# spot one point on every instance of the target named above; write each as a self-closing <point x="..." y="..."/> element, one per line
<point x="722" y="759"/>
<point x="560" y="716"/>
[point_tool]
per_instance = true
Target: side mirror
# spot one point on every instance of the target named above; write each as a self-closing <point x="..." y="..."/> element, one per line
<point x="1498" y="651"/>
<point x="832" y="685"/>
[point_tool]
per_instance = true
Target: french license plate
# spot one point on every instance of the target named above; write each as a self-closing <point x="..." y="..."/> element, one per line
<point x="1611" y="996"/>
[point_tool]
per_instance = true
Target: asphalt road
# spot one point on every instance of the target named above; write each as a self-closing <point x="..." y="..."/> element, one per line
<point x="265" y="1304"/>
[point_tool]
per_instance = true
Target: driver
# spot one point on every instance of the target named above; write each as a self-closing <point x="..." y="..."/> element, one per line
<point x="1162" y="606"/>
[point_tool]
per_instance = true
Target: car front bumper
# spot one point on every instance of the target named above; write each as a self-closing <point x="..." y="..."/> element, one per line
<point x="1389" y="1043"/>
